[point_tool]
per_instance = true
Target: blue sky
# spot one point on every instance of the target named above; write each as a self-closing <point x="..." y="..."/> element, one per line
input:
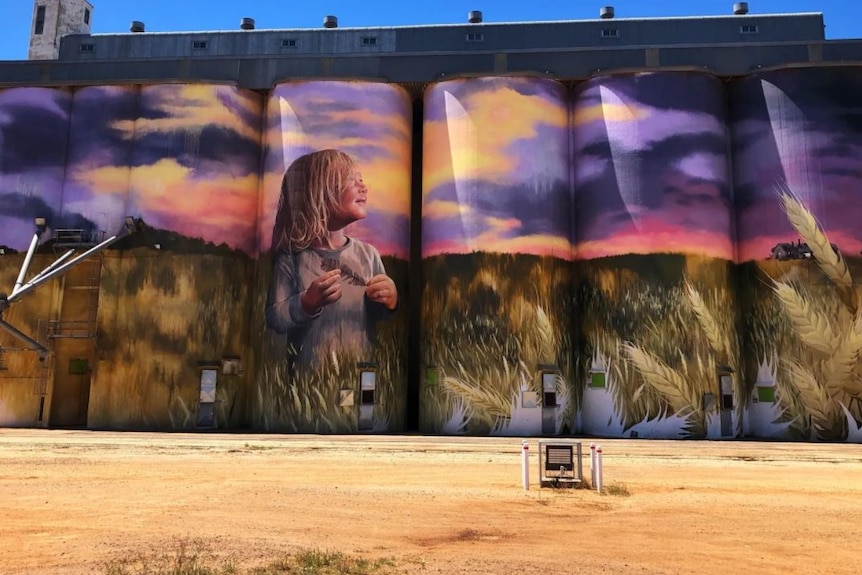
<point x="843" y="17"/>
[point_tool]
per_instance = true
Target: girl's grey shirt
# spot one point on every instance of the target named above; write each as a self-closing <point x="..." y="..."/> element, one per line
<point x="344" y="327"/>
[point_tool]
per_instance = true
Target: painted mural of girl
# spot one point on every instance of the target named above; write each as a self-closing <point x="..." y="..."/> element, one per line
<point x="328" y="289"/>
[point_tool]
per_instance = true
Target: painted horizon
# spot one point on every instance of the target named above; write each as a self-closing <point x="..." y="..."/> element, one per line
<point x="651" y="167"/>
<point x="371" y="122"/>
<point x="801" y="129"/>
<point x="495" y="168"/>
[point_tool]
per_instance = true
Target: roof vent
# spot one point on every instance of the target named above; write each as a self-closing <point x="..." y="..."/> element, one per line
<point x="474" y="17"/>
<point x="247" y="24"/>
<point x="137" y="27"/>
<point x="606" y="12"/>
<point x="330" y="21"/>
<point x="740" y="8"/>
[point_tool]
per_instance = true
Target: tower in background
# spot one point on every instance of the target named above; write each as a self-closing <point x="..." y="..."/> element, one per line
<point x="53" y="19"/>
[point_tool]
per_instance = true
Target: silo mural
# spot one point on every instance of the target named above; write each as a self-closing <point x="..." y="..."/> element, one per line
<point x="656" y="257"/>
<point x="330" y="318"/>
<point x="173" y="310"/>
<point x="497" y="340"/>
<point x="34" y="124"/>
<point x="798" y="173"/>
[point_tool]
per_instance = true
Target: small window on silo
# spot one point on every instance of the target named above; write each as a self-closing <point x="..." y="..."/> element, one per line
<point x="40" y="20"/>
<point x="369" y="40"/>
<point x="88" y="47"/>
<point x="288" y="43"/>
<point x="367" y="387"/>
<point x="475" y="37"/>
<point x="549" y="389"/>
<point x="199" y="45"/>
<point x="610" y="33"/>
<point x="749" y="29"/>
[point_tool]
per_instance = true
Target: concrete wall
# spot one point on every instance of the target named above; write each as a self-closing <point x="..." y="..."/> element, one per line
<point x="62" y="18"/>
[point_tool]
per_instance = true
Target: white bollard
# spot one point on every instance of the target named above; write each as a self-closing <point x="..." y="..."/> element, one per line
<point x="599" y="468"/>
<point x="525" y="465"/>
<point x="593" y="464"/>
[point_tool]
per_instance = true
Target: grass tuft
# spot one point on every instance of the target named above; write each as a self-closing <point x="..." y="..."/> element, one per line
<point x="194" y="557"/>
<point x="617" y="490"/>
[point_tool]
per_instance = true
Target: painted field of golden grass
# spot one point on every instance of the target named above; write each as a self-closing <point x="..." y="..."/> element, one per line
<point x="162" y="315"/>
<point x="491" y="322"/>
<point x="805" y="316"/>
<point x="661" y="326"/>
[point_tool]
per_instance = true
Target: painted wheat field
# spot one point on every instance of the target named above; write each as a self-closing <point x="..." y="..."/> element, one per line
<point x="491" y="324"/>
<point x="804" y="318"/>
<point x="659" y="327"/>
<point x="663" y="327"/>
<point x="162" y="315"/>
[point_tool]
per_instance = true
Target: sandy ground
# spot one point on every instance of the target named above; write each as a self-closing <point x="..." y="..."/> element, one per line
<point x="72" y="500"/>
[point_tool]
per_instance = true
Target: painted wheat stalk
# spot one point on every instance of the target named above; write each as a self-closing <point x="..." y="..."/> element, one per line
<point x="663" y="379"/>
<point x="482" y="402"/>
<point x="826" y="417"/>
<point x="706" y="320"/>
<point x="813" y="328"/>
<point x="839" y="367"/>
<point x="829" y="260"/>
<point x="547" y="350"/>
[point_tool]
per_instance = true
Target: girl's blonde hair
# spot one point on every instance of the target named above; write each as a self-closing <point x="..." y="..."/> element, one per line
<point x="310" y="191"/>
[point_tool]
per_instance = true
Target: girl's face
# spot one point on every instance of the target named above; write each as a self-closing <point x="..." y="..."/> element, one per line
<point x="354" y="196"/>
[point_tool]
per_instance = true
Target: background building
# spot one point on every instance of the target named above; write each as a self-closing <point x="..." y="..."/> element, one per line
<point x="619" y="226"/>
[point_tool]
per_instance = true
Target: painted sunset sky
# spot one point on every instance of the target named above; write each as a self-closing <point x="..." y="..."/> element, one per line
<point x="371" y="122"/>
<point x="802" y="128"/>
<point x="185" y="158"/>
<point x="496" y="167"/>
<point x="651" y="166"/>
<point x="195" y="161"/>
<point x="34" y="125"/>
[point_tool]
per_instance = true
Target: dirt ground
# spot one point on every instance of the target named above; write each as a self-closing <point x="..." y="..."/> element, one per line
<point x="72" y="500"/>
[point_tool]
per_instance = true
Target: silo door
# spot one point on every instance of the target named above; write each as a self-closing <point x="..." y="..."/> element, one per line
<point x="549" y="403"/>
<point x="726" y="407"/>
<point x="206" y="405"/>
<point x="367" y="399"/>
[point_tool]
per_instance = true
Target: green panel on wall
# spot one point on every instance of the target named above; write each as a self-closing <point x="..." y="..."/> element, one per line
<point x="766" y="394"/>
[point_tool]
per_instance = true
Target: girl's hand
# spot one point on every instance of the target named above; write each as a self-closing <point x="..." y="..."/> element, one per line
<point x="324" y="290"/>
<point x="381" y="289"/>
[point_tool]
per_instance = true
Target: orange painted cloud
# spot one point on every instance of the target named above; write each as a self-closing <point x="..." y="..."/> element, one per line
<point x="189" y="107"/>
<point x="609" y="113"/>
<point x="217" y="208"/>
<point x="471" y="142"/>
<point x="106" y="180"/>
<point x="441" y="209"/>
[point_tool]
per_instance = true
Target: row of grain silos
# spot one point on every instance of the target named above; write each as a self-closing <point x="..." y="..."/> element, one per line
<point x="647" y="255"/>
